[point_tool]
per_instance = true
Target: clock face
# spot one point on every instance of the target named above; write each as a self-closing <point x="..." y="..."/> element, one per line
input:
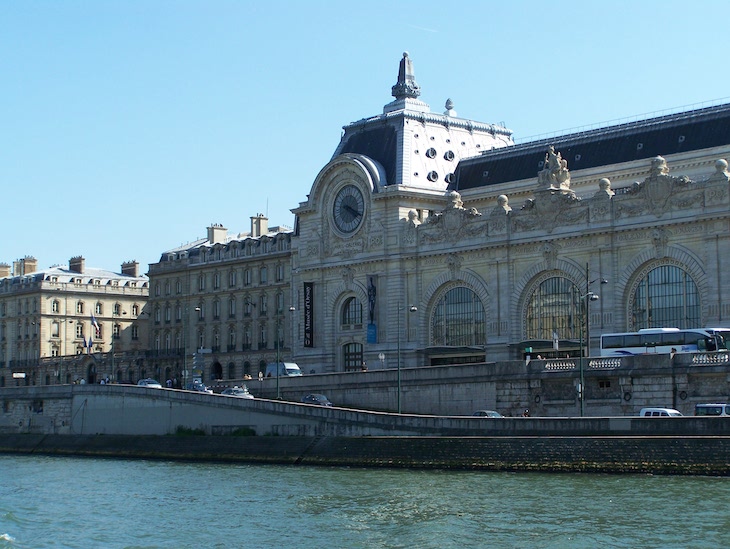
<point x="348" y="209"/>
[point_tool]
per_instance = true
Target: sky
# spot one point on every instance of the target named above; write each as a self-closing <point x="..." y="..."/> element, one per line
<point x="129" y="127"/>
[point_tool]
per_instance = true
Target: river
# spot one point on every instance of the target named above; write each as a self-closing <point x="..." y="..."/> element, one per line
<point x="65" y="502"/>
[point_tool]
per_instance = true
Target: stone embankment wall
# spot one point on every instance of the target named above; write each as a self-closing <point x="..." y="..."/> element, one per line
<point x="698" y="455"/>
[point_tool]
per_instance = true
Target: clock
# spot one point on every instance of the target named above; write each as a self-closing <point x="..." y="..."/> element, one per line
<point x="348" y="209"/>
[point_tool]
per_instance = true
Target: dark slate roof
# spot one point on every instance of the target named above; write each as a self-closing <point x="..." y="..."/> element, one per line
<point x="378" y="143"/>
<point x="665" y="135"/>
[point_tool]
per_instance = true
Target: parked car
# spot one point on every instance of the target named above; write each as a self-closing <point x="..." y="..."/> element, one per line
<point x="712" y="409"/>
<point x="199" y="387"/>
<point x="319" y="400"/>
<point x="239" y="392"/>
<point x="487" y="413"/>
<point x="659" y="412"/>
<point x="149" y="382"/>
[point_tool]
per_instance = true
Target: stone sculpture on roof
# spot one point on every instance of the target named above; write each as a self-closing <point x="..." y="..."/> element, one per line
<point x="555" y="174"/>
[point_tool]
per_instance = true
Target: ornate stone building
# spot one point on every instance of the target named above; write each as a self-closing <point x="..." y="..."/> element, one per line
<point x="225" y="299"/>
<point x="431" y="239"/>
<point x="61" y="324"/>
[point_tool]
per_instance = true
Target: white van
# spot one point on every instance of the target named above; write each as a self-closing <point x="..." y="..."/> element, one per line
<point x="712" y="409"/>
<point x="659" y="412"/>
<point x="285" y="369"/>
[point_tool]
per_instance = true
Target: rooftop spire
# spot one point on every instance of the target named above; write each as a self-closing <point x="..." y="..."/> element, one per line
<point x="406" y="86"/>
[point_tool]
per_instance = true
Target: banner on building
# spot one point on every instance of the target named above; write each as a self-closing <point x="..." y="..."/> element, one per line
<point x="309" y="314"/>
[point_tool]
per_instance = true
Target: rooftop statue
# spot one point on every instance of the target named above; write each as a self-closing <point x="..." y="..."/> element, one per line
<point x="555" y="174"/>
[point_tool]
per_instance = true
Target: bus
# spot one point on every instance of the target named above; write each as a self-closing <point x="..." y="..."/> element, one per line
<point x="665" y="341"/>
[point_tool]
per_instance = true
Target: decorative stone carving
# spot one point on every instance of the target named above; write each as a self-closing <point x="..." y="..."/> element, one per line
<point x="498" y="216"/>
<point x="550" y="253"/>
<point x="348" y="276"/>
<point x="452" y="224"/>
<point x="410" y="233"/>
<point x="555" y="174"/>
<point x="548" y="210"/>
<point x="721" y="174"/>
<point x="659" y="238"/>
<point x="600" y="206"/>
<point x="660" y="192"/>
<point x="453" y="262"/>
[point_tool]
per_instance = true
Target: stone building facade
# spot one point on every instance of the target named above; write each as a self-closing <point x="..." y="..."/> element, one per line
<point x="64" y="324"/>
<point x="398" y="259"/>
<point x="220" y="306"/>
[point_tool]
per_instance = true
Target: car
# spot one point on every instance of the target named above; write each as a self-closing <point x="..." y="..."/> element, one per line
<point x="487" y="413"/>
<point x="239" y="392"/>
<point x="149" y="382"/>
<point x="199" y="387"/>
<point x="319" y="400"/>
<point x="659" y="412"/>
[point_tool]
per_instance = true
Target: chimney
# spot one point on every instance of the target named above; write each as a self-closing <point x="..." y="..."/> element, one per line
<point x="30" y="264"/>
<point x="217" y="234"/>
<point x="27" y="265"/>
<point x="4" y="270"/>
<point x="76" y="264"/>
<point x="259" y="225"/>
<point x="130" y="268"/>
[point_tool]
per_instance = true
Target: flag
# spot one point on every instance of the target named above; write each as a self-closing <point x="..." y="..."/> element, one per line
<point x="556" y="341"/>
<point x="84" y="341"/>
<point x="91" y="341"/>
<point x="94" y="323"/>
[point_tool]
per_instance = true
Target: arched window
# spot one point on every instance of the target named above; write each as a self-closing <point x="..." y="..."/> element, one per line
<point x="352" y="312"/>
<point x="352" y="356"/>
<point x="554" y="308"/>
<point x="666" y="297"/>
<point x="231" y="338"/>
<point x="55" y="306"/>
<point x="459" y="319"/>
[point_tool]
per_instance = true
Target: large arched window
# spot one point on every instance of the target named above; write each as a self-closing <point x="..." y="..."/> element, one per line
<point x="666" y="297"/>
<point x="351" y="312"/>
<point x="554" y="309"/>
<point x="459" y="319"/>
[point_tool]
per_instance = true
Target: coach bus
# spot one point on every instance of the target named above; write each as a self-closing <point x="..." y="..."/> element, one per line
<point x="665" y="341"/>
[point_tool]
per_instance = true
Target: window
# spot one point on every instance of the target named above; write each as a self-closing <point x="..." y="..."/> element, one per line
<point x="167" y="287"/>
<point x="157" y="289"/>
<point x="216" y="280"/>
<point x="459" y="319"/>
<point x="247" y="307"/>
<point x="178" y="287"/>
<point x="246" y="337"/>
<point x="262" y="337"/>
<point x="80" y="307"/>
<point x="98" y="309"/>
<point x="117" y="309"/>
<point x="79" y="330"/>
<point x="666" y="297"/>
<point x="55" y="329"/>
<point x="555" y="307"/>
<point x="232" y="307"/>
<point x="216" y="309"/>
<point x="263" y="276"/>
<point x="55" y="306"/>
<point x="247" y="277"/>
<point x="168" y="313"/>
<point x="135" y="310"/>
<point x="232" y="279"/>
<point x="352" y="312"/>
<point x="263" y="305"/>
<point x="178" y="312"/>
<point x="352" y="356"/>
<point x="135" y="332"/>
<point x="279" y="303"/>
<point x="279" y="272"/>
<point x="157" y="315"/>
<point x="201" y="282"/>
<point x="231" y="338"/>
<point x="116" y="331"/>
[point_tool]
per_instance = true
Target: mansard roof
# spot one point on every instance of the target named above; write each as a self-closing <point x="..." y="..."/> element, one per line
<point x="664" y="135"/>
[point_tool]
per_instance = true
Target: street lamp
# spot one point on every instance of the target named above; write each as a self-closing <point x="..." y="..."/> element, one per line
<point x="585" y="302"/>
<point x="278" y="352"/>
<point x="411" y="309"/>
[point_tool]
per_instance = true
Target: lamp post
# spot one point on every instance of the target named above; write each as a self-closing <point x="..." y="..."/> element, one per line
<point x="585" y="303"/>
<point x="411" y="309"/>
<point x="278" y="353"/>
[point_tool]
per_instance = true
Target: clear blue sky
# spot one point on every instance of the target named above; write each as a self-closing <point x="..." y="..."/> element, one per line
<point x="128" y="127"/>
